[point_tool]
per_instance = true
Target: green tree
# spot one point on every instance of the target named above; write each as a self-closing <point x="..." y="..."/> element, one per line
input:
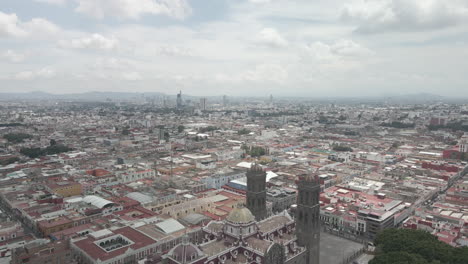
<point x="50" y="150"/>
<point x="243" y="131"/>
<point x="341" y="148"/>
<point x="399" y="257"/>
<point x="412" y="245"/>
<point x="17" y="137"/>
<point x="397" y="124"/>
<point x="9" y="161"/>
<point x="180" y="129"/>
<point x="207" y="129"/>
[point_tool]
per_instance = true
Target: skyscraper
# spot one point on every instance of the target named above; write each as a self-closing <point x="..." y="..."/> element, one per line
<point x="256" y="192"/>
<point x="203" y="104"/>
<point x="179" y="100"/>
<point x="308" y="217"/>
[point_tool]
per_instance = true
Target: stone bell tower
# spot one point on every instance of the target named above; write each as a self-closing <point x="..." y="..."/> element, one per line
<point x="256" y="192"/>
<point x="308" y="217"/>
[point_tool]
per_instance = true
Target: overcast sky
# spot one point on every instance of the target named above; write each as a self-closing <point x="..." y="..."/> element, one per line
<point x="235" y="47"/>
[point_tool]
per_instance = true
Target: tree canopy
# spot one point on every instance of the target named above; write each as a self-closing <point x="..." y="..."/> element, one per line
<point x="243" y="131"/>
<point x="401" y="246"/>
<point x="341" y="148"/>
<point x="397" y="124"/>
<point x="180" y="129"/>
<point x="16" y="137"/>
<point x="254" y="151"/>
<point x="207" y="129"/>
<point x="39" y="152"/>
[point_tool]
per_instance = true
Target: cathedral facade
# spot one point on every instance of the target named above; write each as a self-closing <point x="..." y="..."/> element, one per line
<point x="248" y="237"/>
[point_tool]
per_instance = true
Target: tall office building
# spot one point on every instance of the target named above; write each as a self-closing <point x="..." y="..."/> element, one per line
<point x="225" y="100"/>
<point x="203" y="104"/>
<point x="179" y="100"/>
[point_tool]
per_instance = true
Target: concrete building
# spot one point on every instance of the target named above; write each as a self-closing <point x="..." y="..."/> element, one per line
<point x="54" y="253"/>
<point x="217" y="180"/>
<point x="65" y="188"/>
<point x="281" y="199"/>
<point x="122" y="245"/>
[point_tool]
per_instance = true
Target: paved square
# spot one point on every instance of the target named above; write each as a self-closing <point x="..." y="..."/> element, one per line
<point x="334" y="249"/>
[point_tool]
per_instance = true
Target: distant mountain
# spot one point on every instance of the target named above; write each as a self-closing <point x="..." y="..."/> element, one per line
<point x="128" y="96"/>
<point x="87" y="96"/>
<point x="416" y="97"/>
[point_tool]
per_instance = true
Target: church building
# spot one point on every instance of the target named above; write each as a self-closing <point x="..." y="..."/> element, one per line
<point x="247" y="235"/>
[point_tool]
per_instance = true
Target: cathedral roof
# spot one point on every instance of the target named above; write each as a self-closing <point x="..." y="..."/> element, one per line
<point x="241" y="216"/>
<point x="185" y="252"/>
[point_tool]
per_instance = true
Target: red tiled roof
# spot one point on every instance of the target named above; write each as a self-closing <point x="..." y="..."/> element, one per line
<point x="95" y="252"/>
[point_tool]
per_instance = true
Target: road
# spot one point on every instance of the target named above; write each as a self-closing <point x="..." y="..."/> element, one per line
<point x="364" y="259"/>
<point x="13" y="217"/>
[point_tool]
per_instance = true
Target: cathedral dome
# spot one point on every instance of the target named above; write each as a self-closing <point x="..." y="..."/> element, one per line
<point x="185" y="251"/>
<point x="241" y="216"/>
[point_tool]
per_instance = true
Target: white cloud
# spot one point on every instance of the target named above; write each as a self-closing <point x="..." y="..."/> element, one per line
<point x="405" y="15"/>
<point x="271" y="37"/>
<point x="311" y="51"/>
<point x="346" y="47"/>
<point x="52" y="2"/>
<point x="134" y="9"/>
<point x="267" y="72"/>
<point x="44" y="73"/>
<point x="113" y="63"/>
<point x="9" y="26"/>
<point x="41" y="27"/>
<point x="340" y="49"/>
<point x="260" y="1"/>
<point x="13" y="56"/>
<point x="261" y="73"/>
<point x="131" y="76"/>
<point x="94" y="41"/>
<point x="175" y="51"/>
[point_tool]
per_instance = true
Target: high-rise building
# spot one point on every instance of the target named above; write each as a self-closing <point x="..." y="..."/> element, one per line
<point x="256" y="192"/>
<point x="308" y="217"/>
<point x="463" y="144"/>
<point x="179" y="100"/>
<point x="203" y="104"/>
<point x="225" y="100"/>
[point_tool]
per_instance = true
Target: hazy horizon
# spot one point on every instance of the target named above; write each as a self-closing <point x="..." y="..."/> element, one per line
<point x="323" y="48"/>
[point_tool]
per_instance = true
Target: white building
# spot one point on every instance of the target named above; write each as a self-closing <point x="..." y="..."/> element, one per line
<point x="134" y="175"/>
<point x="463" y="145"/>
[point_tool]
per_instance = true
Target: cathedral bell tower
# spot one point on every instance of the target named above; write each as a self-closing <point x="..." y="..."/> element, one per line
<point x="308" y="217"/>
<point x="256" y="192"/>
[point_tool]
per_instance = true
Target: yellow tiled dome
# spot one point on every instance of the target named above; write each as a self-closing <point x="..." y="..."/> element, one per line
<point x="241" y="215"/>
